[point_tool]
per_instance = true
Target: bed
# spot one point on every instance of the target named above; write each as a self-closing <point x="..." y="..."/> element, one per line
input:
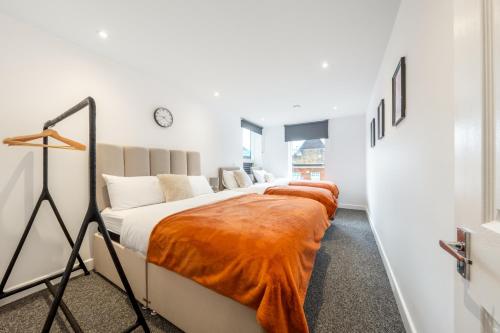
<point x="318" y="194"/>
<point x="260" y="188"/>
<point x="187" y="304"/>
<point x="324" y="192"/>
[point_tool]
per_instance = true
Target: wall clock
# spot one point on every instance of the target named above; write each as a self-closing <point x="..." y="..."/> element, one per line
<point x="163" y="117"/>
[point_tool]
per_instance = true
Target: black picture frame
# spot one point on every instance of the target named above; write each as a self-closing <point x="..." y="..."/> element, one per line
<point x="399" y="93"/>
<point x="372" y="133"/>
<point x="381" y="119"/>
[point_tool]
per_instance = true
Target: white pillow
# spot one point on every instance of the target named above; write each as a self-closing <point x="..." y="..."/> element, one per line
<point x="242" y="178"/>
<point x="259" y="176"/>
<point x="228" y="180"/>
<point x="200" y="185"/>
<point x="269" y="177"/>
<point x="132" y="192"/>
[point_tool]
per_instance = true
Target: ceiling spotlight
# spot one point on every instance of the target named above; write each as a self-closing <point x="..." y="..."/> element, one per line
<point x="324" y="64"/>
<point x="296" y="106"/>
<point x="103" y="34"/>
<point x="262" y="119"/>
<point x="335" y="108"/>
<point x="216" y="94"/>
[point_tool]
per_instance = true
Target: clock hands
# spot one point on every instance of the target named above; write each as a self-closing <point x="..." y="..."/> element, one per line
<point x="163" y="117"/>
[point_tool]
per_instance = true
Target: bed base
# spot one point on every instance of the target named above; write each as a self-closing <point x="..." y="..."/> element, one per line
<point x="188" y="305"/>
<point x="134" y="265"/>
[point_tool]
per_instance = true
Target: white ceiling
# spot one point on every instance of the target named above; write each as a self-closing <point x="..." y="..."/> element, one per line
<point x="262" y="56"/>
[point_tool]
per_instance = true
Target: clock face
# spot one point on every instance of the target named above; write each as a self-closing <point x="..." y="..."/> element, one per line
<point x="163" y="117"/>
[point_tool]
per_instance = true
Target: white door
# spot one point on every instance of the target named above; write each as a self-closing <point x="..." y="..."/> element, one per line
<point x="477" y="161"/>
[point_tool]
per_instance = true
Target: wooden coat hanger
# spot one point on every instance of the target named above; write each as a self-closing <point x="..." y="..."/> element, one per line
<point x="24" y="141"/>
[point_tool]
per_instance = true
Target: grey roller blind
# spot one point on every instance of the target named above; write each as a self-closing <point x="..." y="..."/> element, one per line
<point x="251" y="126"/>
<point x="307" y="131"/>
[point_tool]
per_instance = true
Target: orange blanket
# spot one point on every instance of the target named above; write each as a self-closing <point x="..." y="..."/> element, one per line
<point x="321" y="184"/>
<point x="321" y="195"/>
<point x="256" y="249"/>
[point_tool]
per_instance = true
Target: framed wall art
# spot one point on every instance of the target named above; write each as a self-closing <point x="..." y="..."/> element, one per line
<point x="372" y="132"/>
<point x="399" y="93"/>
<point x="381" y="120"/>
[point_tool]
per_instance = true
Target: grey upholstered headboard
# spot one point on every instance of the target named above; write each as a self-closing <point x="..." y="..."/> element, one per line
<point x="140" y="161"/>
<point x="221" y="184"/>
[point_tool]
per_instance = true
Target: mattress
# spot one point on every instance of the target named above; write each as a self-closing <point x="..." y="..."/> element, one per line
<point x="113" y="220"/>
<point x="138" y="223"/>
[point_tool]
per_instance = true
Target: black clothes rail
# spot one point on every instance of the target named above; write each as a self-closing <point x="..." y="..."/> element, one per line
<point x="92" y="215"/>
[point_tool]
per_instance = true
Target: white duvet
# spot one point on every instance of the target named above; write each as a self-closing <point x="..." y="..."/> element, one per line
<point x="139" y="222"/>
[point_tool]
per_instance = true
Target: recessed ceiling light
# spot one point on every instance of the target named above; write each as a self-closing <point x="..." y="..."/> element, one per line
<point x="216" y="94"/>
<point x="296" y="106"/>
<point x="325" y="64"/>
<point x="103" y="34"/>
<point x="335" y="108"/>
<point x="262" y="119"/>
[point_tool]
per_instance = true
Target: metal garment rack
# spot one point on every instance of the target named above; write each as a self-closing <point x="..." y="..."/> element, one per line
<point x="92" y="215"/>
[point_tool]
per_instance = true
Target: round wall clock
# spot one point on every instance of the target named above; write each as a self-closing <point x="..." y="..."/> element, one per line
<point x="163" y="117"/>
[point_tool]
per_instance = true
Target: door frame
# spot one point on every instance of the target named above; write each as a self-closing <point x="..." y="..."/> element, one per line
<point x="476" y="158"/>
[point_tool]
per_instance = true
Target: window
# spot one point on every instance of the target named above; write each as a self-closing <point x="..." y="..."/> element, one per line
<point x="308" y="159"/>
<point x="315" y="175"/>
<point x="247" y="146"/>
<point x="252" y="146"/>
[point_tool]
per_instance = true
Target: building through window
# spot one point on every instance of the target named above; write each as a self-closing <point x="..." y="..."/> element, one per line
<point x="308" y="159"/>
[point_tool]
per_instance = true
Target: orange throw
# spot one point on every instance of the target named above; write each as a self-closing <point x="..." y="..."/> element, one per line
<point x="321" y="195"/>
<point x="321" y="184"/>
<point x="256" y="249"/>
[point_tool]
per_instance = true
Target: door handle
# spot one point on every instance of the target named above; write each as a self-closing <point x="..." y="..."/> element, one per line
<point x="460" y="250"/>
<point x="453" y="248"/>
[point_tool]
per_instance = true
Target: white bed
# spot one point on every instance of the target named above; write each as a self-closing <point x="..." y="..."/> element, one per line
<point x="188" y="305"/>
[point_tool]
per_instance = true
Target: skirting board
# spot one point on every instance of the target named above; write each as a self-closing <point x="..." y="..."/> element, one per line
<point x="403" y="308"/>
<point x="351" y="206"/>
<point x="90" y="266"/>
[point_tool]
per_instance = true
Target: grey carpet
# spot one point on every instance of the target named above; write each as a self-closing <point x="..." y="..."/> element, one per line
<point x="349" y="292"/>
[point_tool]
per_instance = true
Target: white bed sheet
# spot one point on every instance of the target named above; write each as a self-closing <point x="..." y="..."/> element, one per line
<point x="260" y="188"/>
<point x="138" y="223"/>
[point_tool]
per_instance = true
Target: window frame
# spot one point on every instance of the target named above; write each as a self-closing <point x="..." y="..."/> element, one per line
<point x="313" y="168"/>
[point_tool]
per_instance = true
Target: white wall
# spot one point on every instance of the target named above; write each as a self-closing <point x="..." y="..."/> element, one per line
<point x="410" y="171"/>
<point x="275" y="151"/>
<point x="42" y="76"/>
<point x="344" y="159"/>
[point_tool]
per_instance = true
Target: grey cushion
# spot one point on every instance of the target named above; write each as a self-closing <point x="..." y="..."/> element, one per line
<point x="221" y="171"/>
<point x="175" y="187"/>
